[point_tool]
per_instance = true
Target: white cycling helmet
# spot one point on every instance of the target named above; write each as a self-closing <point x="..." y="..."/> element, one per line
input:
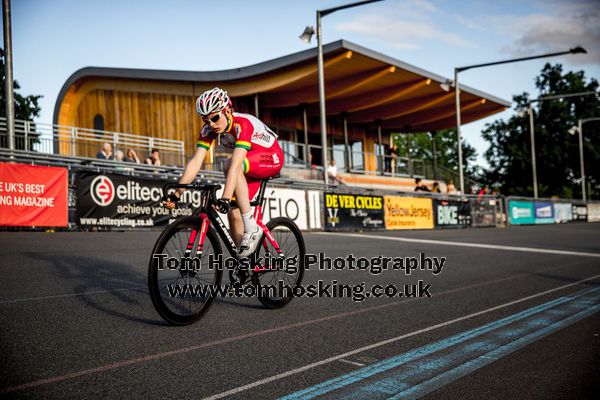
<point x="212" y="100"/>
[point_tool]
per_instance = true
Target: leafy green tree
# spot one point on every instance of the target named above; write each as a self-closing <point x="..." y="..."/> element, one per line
<point x="557" y="152"/>
<point x="420" y="146"/>
<point x="26" y="107"/>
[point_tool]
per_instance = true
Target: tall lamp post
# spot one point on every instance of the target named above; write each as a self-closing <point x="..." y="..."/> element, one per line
<point x="575" y="50"/>
<point x="8" y="73"/>
<point x="529" y="110"/>
<point x="306" y="36"/>
<point x="579" y="129"/>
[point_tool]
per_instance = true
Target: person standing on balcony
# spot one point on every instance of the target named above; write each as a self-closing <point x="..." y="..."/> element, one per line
<point x="332" y="173"/>
<point x="391" y="154"/>
<point x="154" y="158"/>
<point x="420" y="187"/>
<point x="105" y="152"/>
<point x="132" y="157"/>
<point x="450" y="188"/>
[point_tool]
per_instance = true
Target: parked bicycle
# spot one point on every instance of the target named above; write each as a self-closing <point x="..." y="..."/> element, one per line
<point x="181" y="256"/>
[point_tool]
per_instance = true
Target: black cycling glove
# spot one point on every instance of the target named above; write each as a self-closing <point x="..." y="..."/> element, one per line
<point x="223" y="205"/>
<point x="172" y="198"/>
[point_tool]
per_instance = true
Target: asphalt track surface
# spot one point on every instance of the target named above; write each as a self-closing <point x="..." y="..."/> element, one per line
<point x="513" y="314"/>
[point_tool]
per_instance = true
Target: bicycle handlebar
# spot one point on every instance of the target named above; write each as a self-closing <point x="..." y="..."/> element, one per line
<point x="195" y="186"/>
<point x="212" y="187"/>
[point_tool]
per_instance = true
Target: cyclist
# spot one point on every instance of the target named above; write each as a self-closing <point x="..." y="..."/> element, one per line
<point x="256" y="155"/>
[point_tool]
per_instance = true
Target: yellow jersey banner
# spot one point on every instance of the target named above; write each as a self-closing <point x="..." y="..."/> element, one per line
<point x="408" y="213"/>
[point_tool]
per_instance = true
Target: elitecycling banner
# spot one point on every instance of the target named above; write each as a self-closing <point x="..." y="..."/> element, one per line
<point x="451" y="213"/>
<point x="111" y="201"/>
<point x="353" y="212"/>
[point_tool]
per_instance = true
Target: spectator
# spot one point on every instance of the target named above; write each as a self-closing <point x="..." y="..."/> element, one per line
<point x="436" y="187"/>
<point x="132" y="157"/>
<point x="154" y="158"/>
<point x="450" y="188"/>
<point x="420" y="187"/>
<point x="119" y="156"/>
<point x="391" y="153"/>
<point x="332" y="173"/>
<point x="105" y="153"/>
<point x="484" y="191"/>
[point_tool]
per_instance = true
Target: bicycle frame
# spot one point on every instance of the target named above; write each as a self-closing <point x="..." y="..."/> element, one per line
<point x="209" y="215"/>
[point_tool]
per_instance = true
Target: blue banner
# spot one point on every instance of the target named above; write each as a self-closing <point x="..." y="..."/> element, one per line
<point x="544" y="213"/>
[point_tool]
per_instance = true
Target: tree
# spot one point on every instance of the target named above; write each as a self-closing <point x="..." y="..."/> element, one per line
<point x="421" y="147"/>
<point x="557" y="152"/>
<point x="26" y="107"/>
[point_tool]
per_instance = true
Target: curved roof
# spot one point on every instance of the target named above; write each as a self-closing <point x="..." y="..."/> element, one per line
<point x="367" y="85"/>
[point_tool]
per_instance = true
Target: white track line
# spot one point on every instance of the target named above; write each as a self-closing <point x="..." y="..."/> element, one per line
<point x="388" y="341"/>
<point x="58" y="296"/>
<point x="352" y="362"/>
<point x="467" y="244"/>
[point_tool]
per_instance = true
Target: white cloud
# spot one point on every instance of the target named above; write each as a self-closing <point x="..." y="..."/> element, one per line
<point x="561" y="26"/>
<point x="407" y="24"/>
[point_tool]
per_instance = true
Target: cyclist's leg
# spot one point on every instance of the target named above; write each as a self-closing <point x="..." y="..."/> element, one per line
<point x="236" y="225"/>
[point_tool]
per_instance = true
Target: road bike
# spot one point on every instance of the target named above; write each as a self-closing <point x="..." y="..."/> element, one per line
<point x="182" y="271"/>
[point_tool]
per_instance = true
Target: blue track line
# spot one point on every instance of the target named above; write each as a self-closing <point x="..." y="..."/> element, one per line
<point x="389" y="385"/>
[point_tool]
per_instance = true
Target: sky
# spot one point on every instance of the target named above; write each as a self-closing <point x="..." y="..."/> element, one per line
<point x="53" y="39"/>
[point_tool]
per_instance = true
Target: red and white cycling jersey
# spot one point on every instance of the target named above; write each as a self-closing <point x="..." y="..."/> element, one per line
<point x="245" y="131"/>
<point x="264" y="158"/>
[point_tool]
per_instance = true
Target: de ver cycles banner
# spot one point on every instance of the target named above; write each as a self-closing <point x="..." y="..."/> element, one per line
<point x="352" y="211"/>
<point x="120" y="201"/>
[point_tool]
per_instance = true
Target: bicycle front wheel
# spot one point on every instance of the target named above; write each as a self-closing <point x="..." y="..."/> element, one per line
<point x="178" y="279"/>
<point x="289" y="239"/>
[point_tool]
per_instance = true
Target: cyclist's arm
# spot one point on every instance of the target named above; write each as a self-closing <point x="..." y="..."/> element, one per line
<point x="235" y="169"/>
<point x="192" y="168"/>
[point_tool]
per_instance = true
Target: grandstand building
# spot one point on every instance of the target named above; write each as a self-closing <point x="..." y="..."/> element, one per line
<point x="368" y="96"/>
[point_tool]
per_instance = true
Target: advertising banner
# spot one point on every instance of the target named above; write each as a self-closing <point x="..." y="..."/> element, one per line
<point x="563" y="212"/>
<point x="33" y="195"/>
<point x="580" y="212"/>
<point x="120" y="201"/>
<point x="593" y="210"/>
<point x="521" y="212"/>
<point x="353" y="211"/>
<point x="544" y="213"/>
<point x="408" y="213"/>
<point x="288" y="203"/>
<point x="314" y="209"/>
<point x="451" y="213"/>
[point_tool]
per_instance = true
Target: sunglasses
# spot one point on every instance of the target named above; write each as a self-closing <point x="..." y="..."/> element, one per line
<point x="212" y="119"/>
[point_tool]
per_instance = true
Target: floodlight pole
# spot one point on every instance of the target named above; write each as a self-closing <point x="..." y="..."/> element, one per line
<point x="533" y="160"/>
<point x="8" y="74"/>
<point x="532" y="130"/>
<point x="322" y="13"/>
<point x="322" y="99"/>
<point x="580" y="131"/>
<point x="575" y="50"/>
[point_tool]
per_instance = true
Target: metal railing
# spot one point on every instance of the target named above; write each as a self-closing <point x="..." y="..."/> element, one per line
<point x="84" y="142"/>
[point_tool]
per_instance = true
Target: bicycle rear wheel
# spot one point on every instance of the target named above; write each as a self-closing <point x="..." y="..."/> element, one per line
<point x="290" y="241"/>
<point x="176" y="290"/>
